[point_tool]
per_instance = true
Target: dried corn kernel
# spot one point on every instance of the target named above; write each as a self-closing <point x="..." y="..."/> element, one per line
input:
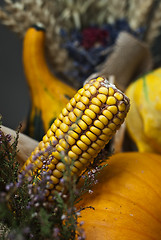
<point x="83" y="128"/>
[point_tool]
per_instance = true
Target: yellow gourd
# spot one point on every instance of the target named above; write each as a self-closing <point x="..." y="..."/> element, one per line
<point x="144" y="118"/>
<point x="48" y="94"/>
<point x="126" y="200"/>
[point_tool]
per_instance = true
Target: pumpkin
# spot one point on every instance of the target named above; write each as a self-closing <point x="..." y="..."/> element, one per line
<point x="48" y="94"/>
<point x="126" y="200"/>
<point x="144" y="118"/>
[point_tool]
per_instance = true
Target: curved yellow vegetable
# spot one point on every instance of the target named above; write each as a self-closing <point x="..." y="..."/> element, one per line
<point x="48" y="94"/>
<point x="144" y="118"/>
<point x="82" y="129"/>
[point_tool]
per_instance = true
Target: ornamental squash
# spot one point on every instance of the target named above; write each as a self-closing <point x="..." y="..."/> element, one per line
<point x="144" y="118"/>
<point x="48" y="94"/>
<point x="126" y="200"/>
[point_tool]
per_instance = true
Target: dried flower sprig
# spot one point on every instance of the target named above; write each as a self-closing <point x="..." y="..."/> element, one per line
<point x="24" y="211"/>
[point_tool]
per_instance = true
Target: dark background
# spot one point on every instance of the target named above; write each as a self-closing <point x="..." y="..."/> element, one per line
<point x="14" y="94"/>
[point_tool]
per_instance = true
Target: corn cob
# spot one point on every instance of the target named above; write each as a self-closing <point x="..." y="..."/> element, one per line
<point x="82" y="129"/>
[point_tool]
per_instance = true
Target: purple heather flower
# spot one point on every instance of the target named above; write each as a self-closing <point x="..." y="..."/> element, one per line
<point x="90" y="191"/>
<point x="9" y="186"/>
<point x="8" y="137"/>
<point x="56" y="232"/>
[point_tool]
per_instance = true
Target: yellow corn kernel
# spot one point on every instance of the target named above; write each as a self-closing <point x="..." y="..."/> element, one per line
<point x="59" y="148"/>
<point x="111" y="91"/>
<point x="100" y="79"/>
<point x="50" y="186"/>
<point x="51" y="166"/>
<point x="82" y="124"/>
<point x="96" y="84"/>
<point x="77" y="97"/>
<point x="91" y="136"/>
<point x="107" y="131"/>
<point x="53" y="128"/>
<point x="83" y="160"/>
<point x="76" y="150"/>
<point x="92" y="90"/>
<point x="103" y="119"/>
<point x="104" y="137"/>
<point x="77" y="112"/>
<point x="107" y="114"/>
<point x="64" y="127"/>
<point x="103" y="90"/>
<point x="87" y="119"/>
<point x="54" y="179"/>
<point x="49" y="133"/>
<point x="60" y="167"/>
<point x="65" y="112"/>
<point x="73" y="102"/>
<point x="112" y="126"/>
<point x="59" y="134"/>
<point x="96" y="101"/>
<point x="72" y="155"/>
<point x="86" y="155"/>
<point x="113" y="109"/>
<point x="90" y="113"/>
<point x="118" y="96"/>
<point x="86" y="86"/>
<point x="111" y="100"/>
<point x="121" y="115"/>
<point x="69" y="106"/>
<point x="117" y="121"/>
<point x="122" y="107"/>
<point x="45" y="138"/>
<point x="95" y="146"/>
<point x="41" y="145"/>
<point x="100" y="142"/>
<point x="78" y="164"/>
<point x="85" y="139"/>
<point x="80" y="106"/>
<point x="54" y="160"/>
<point x="74" y="169"/>
<point x="72" y="117"/>
<point x="98" y="124"/>
<point x="70" y="140"/>
<point x="57" y="173"/>
<point x="56" y="155"/>
<point x="59" y="188"/>
<point x="84" y="100"/>
<point x="94" y="108"/>
<point x="81" y="91"/>
<point x="38" y="163"/>
<point x="73" y="134"/>
<point x="66" y="120"/>
<point x="102" y="97"/>
<point x="82" y="145"/>
<point x="91" y="151"/>
<point x="95" y="130"/>
<point x="61" y="116"/>
<point x="87" y="94"/>
<point x="76" y="128"/>
<point x="57" y="122"/>
<point x="53" y="140"/>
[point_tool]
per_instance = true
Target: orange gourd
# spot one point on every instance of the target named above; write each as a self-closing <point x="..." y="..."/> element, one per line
<point x="48" y="94"/>
<point x="126" y="200"/>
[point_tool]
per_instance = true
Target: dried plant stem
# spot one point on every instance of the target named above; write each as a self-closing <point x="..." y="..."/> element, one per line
<point x="137" y="12"/>
<point x="154" y="25"/>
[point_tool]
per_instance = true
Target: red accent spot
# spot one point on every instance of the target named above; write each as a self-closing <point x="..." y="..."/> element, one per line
<point x="92" y="36"/>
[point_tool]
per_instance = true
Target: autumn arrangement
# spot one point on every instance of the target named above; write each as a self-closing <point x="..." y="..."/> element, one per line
<point x="90" y="165"/>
